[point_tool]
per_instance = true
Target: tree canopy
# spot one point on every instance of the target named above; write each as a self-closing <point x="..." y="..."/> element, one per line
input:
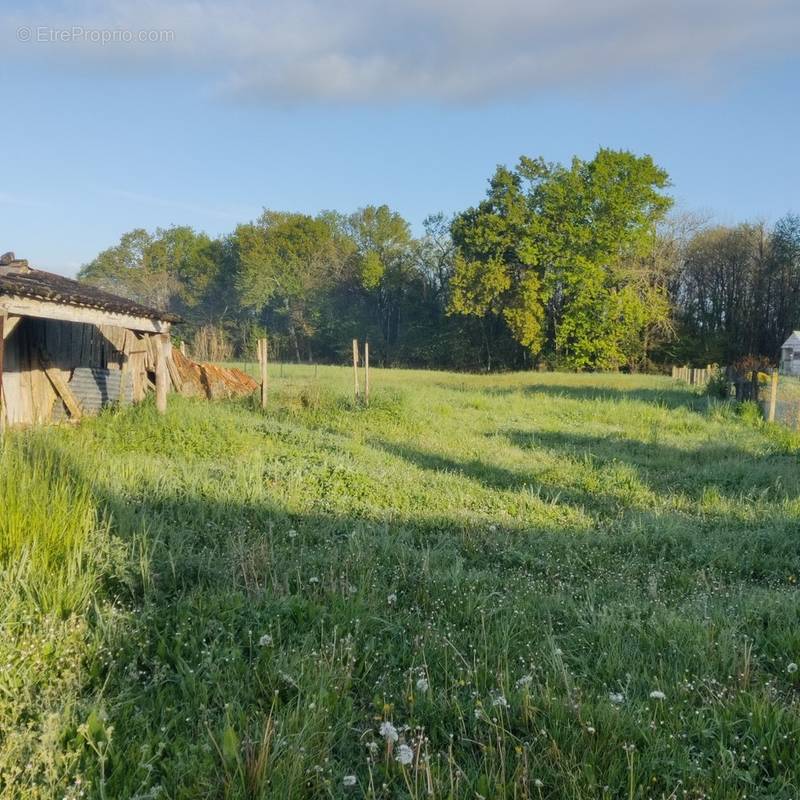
<point x="580" y="265"/>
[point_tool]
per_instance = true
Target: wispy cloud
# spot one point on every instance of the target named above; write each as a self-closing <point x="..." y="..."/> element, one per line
<point x="362" y="51"/>
<point x="174" y="205"/>
<point x="20" y="201"/>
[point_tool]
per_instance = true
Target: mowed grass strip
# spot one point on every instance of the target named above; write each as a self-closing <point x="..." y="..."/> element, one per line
<point x="544" y="586"/>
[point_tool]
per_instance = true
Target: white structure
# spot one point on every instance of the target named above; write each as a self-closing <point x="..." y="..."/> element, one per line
<point x="790" y="355"/>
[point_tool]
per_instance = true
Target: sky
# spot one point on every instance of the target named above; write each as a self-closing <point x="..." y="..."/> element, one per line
<point x="122" y="114"/>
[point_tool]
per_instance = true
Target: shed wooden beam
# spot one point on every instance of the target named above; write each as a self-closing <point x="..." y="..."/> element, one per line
<point x="61" y="386"/>
<point x="43" y="309"/>
<point x="163" y="353"/>
<point x="3" y="323"/>
<point x="10" y="324"/>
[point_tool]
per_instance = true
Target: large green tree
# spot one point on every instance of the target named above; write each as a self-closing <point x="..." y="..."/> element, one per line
<point x="550" y="250"/>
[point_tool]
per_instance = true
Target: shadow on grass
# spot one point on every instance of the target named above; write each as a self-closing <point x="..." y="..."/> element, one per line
<point x="216" y="572"/>
<point x="664" y="398"/>
<point x="670" y="396"/>
<point x="731" y="471"/>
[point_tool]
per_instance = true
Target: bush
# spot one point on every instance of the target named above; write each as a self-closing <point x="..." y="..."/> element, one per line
<point x="718" y="384"/>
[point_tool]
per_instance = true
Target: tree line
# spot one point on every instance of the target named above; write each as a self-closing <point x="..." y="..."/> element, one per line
<point x="577" y="266"/>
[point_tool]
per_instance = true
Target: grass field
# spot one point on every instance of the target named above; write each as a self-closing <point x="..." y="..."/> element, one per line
<point x="523" y="586"/>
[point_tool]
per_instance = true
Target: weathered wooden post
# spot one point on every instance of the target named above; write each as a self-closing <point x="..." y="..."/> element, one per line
<point x="163" y="352"/>
<point x="2" y="354"/>
<point x="366" y="373"/>
<point x="773" y="395"/>
<point x="263" y="364"/>
<point x="355" y="368"/>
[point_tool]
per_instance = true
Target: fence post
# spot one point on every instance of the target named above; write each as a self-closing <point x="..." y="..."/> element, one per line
<point x="366" y="373"/>
<point x="773" y="395"/>
<point x="355" y="367"/>
<point x="3" y="318"/>
<point x="162" y="376"/>
<point x="263" y="363"/>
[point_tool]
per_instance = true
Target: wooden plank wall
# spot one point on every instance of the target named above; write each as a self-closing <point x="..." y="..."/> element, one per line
<point x="30" y="396"/>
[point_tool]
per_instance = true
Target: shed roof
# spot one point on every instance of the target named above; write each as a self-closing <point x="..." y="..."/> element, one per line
<point x="46" y="286"/>
<point x="793" y="340"/>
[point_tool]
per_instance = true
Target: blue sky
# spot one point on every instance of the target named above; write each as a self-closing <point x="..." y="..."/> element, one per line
<point x="310" y="105"/>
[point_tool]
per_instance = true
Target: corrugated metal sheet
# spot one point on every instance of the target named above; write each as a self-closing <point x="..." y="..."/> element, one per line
<point x="95" y="389"/>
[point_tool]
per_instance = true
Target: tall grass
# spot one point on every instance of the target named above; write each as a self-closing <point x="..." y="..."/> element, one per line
<point x="515" y="586"/>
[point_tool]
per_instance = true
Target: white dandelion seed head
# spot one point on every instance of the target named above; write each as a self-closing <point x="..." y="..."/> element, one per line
<point x="349" y="780"/>
<point x="657" y="694"/>
<point x="405" y="755"/>
<point x="525" y="680"/>
<point x="791" y="668"/>
<point x="372" y="747"/>
<point x="500" y="701"/>
<point x="391" y="599"/>
<point x="422" y="684"/>
<point x="265" y="641"/>
<point x="313" y="579"/>
<point x="292" y="533"/>
<point x="617" y="698"/>
<point x="538" y="783"/>
<point x="590" y="729"/>
<point x="388" y="731"/>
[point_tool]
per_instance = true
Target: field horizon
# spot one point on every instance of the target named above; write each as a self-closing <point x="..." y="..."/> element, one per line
<point x="522" y="585"/>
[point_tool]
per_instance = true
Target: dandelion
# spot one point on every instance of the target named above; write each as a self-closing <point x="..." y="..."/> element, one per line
<point x="388" y="731"/>
<point x="405" y="755"/>
<point x="538" y="783"/>
<point x="372" y="747"/>
<point x="422" y="684"/>
<point x="524" y="681"/>
<point x="313" y="579"/>
<point x="478" y="713"/>
<point x="265" y="641"/>
<point x="292" y="533"/>
<point x="590" y="729"/>
<point x="657" y="694"/>
<point x="500" y="701"/>
<point x="617" y="698"/>
<point x="349" y="780"/>
<point x="391" y="599"/>
<point x="791" y="668"/>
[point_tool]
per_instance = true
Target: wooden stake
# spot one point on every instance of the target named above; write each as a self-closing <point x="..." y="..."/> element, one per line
<point x="355" y="367"/>
<point x="773" y="396"/>
<point x="263" y="363"/>
<point x="162" y="375"/>
<point x="366" y="372"/>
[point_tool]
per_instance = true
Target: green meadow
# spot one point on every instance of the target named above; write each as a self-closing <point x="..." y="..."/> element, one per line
<point x="513" y="586"/>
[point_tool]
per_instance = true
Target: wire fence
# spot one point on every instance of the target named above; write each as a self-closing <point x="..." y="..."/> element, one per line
<point x="786" y="403"/>
<point x="777" y="395"/>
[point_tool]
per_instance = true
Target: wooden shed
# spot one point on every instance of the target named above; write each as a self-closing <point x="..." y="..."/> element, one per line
<point x="67" y="349"/>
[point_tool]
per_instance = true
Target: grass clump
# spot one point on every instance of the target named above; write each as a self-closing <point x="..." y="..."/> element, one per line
<point x="519" y="586"/>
